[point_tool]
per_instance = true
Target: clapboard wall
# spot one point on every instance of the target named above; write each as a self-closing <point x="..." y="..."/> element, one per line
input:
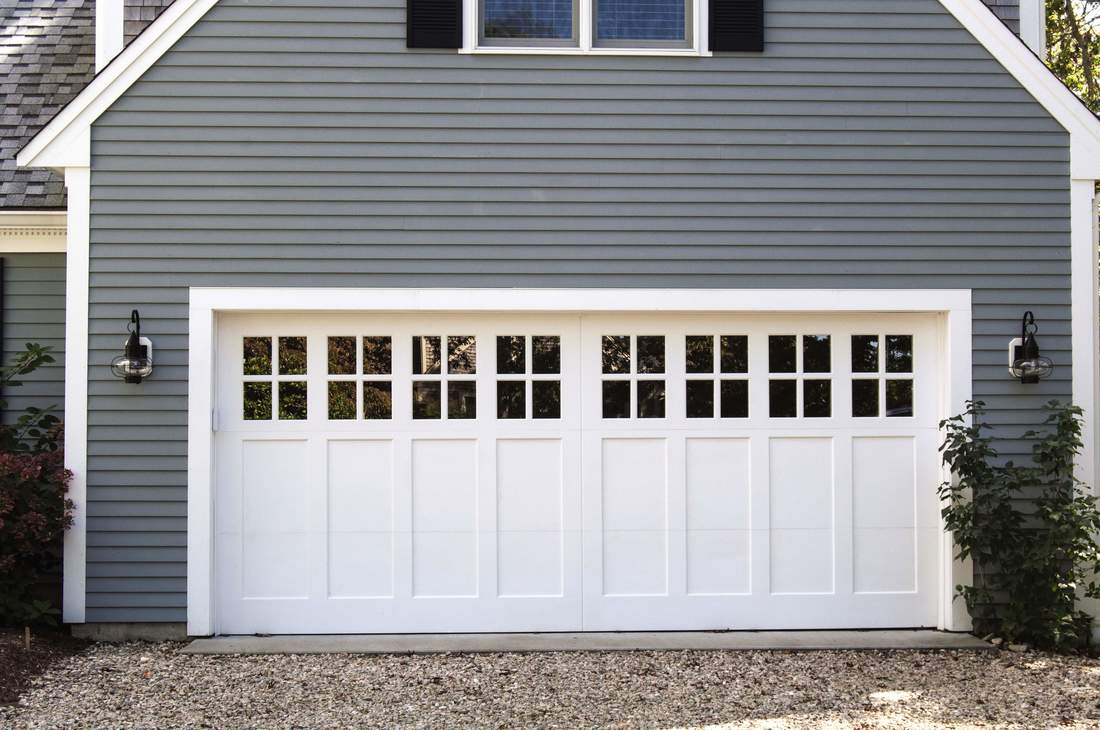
<point x="873" y="144"/>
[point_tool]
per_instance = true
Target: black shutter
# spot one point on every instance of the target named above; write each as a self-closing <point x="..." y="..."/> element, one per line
<point x="737" y="25"/>
<point x="433" y="24"/>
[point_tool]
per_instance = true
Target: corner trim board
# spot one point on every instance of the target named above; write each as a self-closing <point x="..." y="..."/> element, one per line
<point x="207" y="303"/>
<point x="75" y="566"/>
<point x="1085" y="323"/>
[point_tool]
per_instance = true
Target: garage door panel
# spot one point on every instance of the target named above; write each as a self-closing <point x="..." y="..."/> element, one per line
<point x="360" y="475"/>
<point x="275" y="565"/>
<point x="632" y="534"/>
<point x="801" y="489"/>
<point x="718" y="506"/>
<point x="802" y="560"/>
<point x="801" y="482"/>
<point x="523" y="499"/>
<point x="274" y="480"/>
<point x="361" y="564"/>
<point x="530" y="564"/>
<point x="445" y="563"/>
<point x="718" y="484"/>
<point x="530" y="517"/>
<point x="635" y="562"/>
<point x="444" y="485"/>
<point x="445" y="517"/>
<point x="360" y="485"/>
<point x="635" y="484"/>
<point x="719" y="562"/>
<point x="275" y="535"/>
<point x="530" y="487"/>
<point x="884" y="485"/>
<point x="885" y="560"/>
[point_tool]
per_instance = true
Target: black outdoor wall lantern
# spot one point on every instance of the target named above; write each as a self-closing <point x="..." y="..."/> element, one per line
<point x="136" y="360"/>
<point x="1024" y="359"/>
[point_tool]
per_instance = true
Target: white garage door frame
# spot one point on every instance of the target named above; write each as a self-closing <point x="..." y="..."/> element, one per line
<point x="952" y="305"/>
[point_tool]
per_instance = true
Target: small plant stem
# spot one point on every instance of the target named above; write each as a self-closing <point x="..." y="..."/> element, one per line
<point x="27" y="638"/>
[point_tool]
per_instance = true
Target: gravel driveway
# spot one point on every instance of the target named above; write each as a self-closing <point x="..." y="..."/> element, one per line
<point x="154" y="686"/>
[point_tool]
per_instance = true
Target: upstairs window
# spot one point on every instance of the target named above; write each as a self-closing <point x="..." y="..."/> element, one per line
<point x="586" y="24"/>
<point x="528" y="23"/>
<point x="641" y="23"/>
<point x="624" y="27"/>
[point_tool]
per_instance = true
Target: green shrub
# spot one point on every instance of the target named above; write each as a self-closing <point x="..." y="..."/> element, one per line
<point x="34" y="511"/>
<point x="1029" y="529"/>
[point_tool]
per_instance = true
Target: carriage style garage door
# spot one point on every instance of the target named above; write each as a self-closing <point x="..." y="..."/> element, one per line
<point x="524" y="472"/>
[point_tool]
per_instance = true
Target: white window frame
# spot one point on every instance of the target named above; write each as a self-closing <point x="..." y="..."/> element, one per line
<point x="697" y="26"/>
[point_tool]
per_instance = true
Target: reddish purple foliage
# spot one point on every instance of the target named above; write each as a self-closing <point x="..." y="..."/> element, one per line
<point x="34" y="513"/>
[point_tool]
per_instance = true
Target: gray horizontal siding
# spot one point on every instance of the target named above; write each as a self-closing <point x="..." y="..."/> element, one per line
<point x="34" y="311"/>
<point x="874" y="144"/>
<point x="1008" y="11"/>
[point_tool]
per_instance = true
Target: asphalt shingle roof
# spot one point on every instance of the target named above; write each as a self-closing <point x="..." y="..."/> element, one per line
<point x="47" y="55"/>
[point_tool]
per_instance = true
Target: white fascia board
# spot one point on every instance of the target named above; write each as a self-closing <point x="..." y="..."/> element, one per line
<point x="1038" y="80"/>
<point x="59" y="143"/>
<point x="31" y="217"/>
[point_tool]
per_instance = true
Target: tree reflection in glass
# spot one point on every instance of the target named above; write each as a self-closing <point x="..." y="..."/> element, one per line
<point x="616" y="354"/>
<point x="462" y="355"/>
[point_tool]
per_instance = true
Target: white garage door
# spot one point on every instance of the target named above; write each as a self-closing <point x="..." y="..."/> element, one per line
<point x="506" y="472"/>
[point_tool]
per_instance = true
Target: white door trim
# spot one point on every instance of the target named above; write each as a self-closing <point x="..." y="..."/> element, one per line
<point x="205" y="303"/>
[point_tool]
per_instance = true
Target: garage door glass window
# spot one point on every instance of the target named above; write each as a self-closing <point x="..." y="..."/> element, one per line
<point x="799" y="382"/>
<point x="444" y="377"/>
<point x="280" y="390"/>
<point x="528" y="372"/>
<point x="633" y="376"/>
<point x="360" y="371"/>
<point x="882" y="376"/>
<point x="729" y="356"/>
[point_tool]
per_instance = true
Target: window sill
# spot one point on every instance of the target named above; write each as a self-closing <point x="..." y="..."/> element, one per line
<point x="523" y="50"/>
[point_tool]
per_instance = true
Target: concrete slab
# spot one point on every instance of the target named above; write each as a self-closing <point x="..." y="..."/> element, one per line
<point x="659" y="641"/>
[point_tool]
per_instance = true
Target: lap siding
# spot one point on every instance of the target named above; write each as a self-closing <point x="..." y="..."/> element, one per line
<point x="298" y="143"/>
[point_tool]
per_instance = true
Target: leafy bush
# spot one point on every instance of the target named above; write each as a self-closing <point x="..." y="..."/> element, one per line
<point x="1029" y="529"/>
<point x="34" y="511"/>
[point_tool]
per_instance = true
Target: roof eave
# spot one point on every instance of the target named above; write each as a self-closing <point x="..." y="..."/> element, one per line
<point x="65" y="141"/>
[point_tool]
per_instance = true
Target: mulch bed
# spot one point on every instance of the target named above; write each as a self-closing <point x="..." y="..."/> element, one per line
<point x="18" y="667"/>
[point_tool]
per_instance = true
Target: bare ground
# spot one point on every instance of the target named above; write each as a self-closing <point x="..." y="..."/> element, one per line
<point x="154" y="686"/>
